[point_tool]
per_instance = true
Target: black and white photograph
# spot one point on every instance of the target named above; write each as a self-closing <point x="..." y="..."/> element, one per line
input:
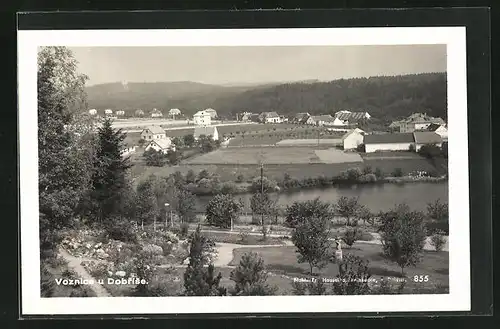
<point x="263" y="170"/>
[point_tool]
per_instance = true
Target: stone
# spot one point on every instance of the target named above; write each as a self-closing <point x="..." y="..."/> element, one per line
<point x="121" y="274"/>
<point x="110" y="273"/>
<point x="186" y="261"/>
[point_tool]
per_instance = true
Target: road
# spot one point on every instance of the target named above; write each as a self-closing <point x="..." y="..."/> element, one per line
<point x="184" y="127"/>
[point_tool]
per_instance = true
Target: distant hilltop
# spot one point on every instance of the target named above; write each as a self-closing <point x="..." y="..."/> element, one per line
<point x="389" y="97"/>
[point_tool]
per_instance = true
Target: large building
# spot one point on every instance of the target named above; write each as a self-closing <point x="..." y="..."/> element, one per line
<point x="202" y="118"/>
<point x="270" y="117"/>
<point x="350" y="118"/>
<point x="353" y="138"/>
<point x="425" y="138"/>
<point x="153" y="133"/>
<point x="208" y="131"/>
<point x="388" y="142"/>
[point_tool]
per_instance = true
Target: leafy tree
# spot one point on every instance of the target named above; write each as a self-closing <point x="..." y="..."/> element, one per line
<point x="267" y="185"/>
<point x="403" y="235"/>
<point x="348" y="208"/>
<point x="397" y="172"/>
<point x="186" y="206"/>
<point x="438" y="240"/>
<point x="203" y="174"/>
<point x="109" y="178"/>
<point x="154" y="158"/>
<point x="178" y="142"/>
<point x="438" y="210"/>
<point x="206" y="143"/>
<point x="189" y="140"/>
<point x="353" y="276"/>
<point x="430" y="151"/>
<point x="147" y="205"/>
<point x="141" y="142"/>
<point x="174" y="157"/>
<point x="190" y="176"/>
<point x="221" y="210"/>
<point x="299" y="212"/>
<point x="379" y="173"/>
<point x="198" y="279"/>
<point x="311" y="238"/>
<point x="263" y="208"/>
<point x="65" y="141"/>
<point x="250" y="277"/>
<point x="240" y="178"/>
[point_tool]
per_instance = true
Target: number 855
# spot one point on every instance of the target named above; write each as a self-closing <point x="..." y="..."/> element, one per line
<point x="420" y="278"/>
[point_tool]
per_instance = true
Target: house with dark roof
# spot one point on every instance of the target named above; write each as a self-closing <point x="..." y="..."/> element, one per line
<point x="209" y="131"/>
<point x="299" y="117"/>
<point x="153" y="132"/>
<point x="388" y="142"/>
<point x="350" y="118"/>
<point x="418" y="121"/>
<point x="426" y="138"/>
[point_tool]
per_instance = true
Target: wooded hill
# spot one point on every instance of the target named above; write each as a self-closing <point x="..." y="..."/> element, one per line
<point x="388" y="97"/>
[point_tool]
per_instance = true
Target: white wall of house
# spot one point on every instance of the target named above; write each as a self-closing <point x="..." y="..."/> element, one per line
<point x="369" y="148"/>
<point x="353" y="140"/>
<point x="157" y="147"/>
<point x="202" y="119"/>
<point x="148" y="135"/>
<point x="274" y="120"/>
<point x="128" y="151"/>
<point x="419" y="126"/>
<point x="442" y="131"/>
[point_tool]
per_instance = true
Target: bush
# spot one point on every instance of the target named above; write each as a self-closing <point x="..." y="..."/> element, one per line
<point x="353" y="276"/>
<point x="351" y="235"/>
<point x="438" y="240"/>
<point x="368" y="178"/>
<point x="47" y="283"/>
<point x="121" y="230"/>
<point x="360" y="148"/>
<point x="397" y="172"/>
<point x="240" y="178"/>
<point x="184" y="229"/>
<point x="379" y="173"/>
<point x="411" y="148"/>
<point x="250" y="278"/>
<point x="243" y="236"/>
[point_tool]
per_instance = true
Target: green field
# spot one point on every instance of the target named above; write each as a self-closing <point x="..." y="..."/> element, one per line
<point x="283" y="260"/>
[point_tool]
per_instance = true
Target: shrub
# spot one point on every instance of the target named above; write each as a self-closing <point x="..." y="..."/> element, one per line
<point x="100" y="270"/>
<point x="360" y="148"/>
<point x="411" y="148"/>
<point x="438" y="240"/>
<point x="351" y="235"/>
<point x="379" y="173"/>
<point x="121" y="230"/>
<point x="243" y="236"/>
<point x="367" y="170"/>
<point x="368" y="178"/>
<point x="353" y="174"/>
<point x="299" y="288"/>
<point x="240" y="178"/>
<point x="184" y="229"/>
<point x="47" y="283"/>
<point x="397" y="172"/>
<point x="353" y="276"/>
<point x="250" y="278"/>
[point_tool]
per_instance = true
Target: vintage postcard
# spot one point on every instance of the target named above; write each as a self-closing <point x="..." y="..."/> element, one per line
<point x="244" y="171"/>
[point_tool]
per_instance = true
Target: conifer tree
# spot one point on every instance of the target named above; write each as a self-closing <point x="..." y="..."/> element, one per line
<point x="110" y="172"/>
<point x="199" y="279"/>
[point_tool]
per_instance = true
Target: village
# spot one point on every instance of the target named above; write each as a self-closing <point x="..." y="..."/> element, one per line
<point x="409" y="134"/>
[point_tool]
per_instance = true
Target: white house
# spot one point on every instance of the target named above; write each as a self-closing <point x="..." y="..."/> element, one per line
<point x="207" y="131"/>
<point x="139" y="113"/>
<point x="212" y="112"/>
<point x="153" y="133"/>
<point x="353" y="138"/>
<point x="388" y="142"/>
<point x="439" y="129"/>
<point x="92" y="111"/>
<point x="174" y="112"/>
<point x="425" y="138"/>
<point x="120" y="113"/>
<point x="270" y="117"/>
<point x="108" y="112"/>
<point x="162" y="145"/>
<point x="202" y="118"/>
<point x="156" y="113"/>
<point x="418" y="121"/>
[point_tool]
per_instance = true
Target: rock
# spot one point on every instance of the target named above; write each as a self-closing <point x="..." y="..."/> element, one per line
<point x="110" y="273"/>
<point x="186" y="261"/>
<point x="88" y="245"/>
<point x="176" y="279"/>
<point x="153" y="249"/>
<point x="133" y="275"/>
<point x="98" y="245"/>
<point x="121" y="274"/>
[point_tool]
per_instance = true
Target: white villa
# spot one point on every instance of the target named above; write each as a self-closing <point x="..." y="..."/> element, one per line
<point x="212" y="112"/>
<point x="202" y="118"/>
<point x="156" y="113"/>
<point x="92" y="111"/>
<point x="153" y="133"/>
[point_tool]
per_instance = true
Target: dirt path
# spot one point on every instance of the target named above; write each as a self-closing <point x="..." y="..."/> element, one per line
<point x="225" y="251"/>
<point x="74" y="264"/>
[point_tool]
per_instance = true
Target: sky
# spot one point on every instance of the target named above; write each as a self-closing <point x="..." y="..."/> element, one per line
<point x="255" y="64"/>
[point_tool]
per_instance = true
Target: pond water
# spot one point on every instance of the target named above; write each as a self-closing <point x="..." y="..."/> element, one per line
<point x="377" y="197"/>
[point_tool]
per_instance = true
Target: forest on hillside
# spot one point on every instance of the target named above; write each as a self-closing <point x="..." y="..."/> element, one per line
<point x="387" y="97"/>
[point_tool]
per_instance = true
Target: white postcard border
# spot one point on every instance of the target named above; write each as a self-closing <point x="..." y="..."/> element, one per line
<point x="459" y="256"/>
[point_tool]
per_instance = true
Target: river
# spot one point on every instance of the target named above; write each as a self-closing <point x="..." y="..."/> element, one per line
<point x="377" y="197"/>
